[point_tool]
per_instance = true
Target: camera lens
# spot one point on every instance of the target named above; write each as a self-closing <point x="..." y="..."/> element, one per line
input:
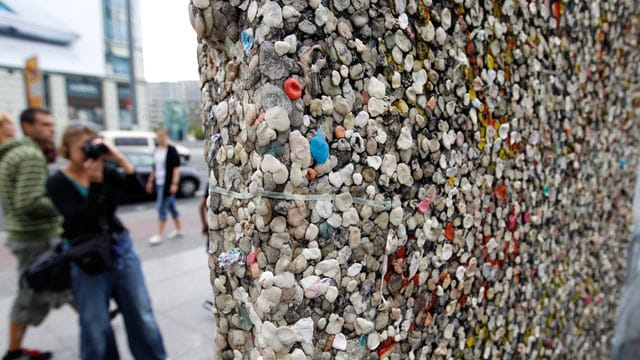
<point x="94" y="151"/>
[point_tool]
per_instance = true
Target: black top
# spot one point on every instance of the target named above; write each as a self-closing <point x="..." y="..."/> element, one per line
<point x="172" y="162"/>
<point x="81" y="213"/>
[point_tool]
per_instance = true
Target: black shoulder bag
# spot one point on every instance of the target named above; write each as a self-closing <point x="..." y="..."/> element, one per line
<point x="92" y="252"/>
<point x="50" y="271"/>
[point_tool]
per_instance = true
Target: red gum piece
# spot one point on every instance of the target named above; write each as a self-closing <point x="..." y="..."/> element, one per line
<point x="292" y="88"/>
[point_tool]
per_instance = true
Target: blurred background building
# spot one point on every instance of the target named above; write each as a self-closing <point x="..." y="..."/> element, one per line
<point x="75" y="58"/>
<point x="175" y="105"/>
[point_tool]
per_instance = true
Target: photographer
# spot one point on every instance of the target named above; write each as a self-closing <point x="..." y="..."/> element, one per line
<point x="85" y="192"/>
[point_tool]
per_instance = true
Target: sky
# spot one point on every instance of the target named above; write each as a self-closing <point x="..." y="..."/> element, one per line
<point x="168" y="41"/>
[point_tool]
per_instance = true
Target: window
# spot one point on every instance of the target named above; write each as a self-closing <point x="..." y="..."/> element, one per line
<point x="120" y="31"/>
<point x="116" y="21"/>
<point x="84" y="99"/>
<point x="140" y="160"/>
<point x="109" y="28"/>
<point x="131" y="141"/>
<point x="120" y="65"/>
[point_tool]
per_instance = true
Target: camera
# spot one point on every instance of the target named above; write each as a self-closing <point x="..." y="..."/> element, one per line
<point x="94" y="151"/>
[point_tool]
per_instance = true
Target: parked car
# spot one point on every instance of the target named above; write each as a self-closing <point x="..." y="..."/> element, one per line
<point x="143" y="161"/>
<point x="140" y="140"/>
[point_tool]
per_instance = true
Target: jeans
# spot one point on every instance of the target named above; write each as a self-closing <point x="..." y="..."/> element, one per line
<point x="125" y="284"/>
<point x="165" y="203"/>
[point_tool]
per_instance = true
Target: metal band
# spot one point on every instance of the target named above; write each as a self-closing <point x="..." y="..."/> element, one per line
<point x="284" y="196"/>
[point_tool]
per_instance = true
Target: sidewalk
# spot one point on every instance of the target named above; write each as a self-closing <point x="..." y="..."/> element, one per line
<point x="178" y="284"/>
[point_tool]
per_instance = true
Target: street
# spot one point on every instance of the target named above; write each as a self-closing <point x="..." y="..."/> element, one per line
<point x="141" y="218"/>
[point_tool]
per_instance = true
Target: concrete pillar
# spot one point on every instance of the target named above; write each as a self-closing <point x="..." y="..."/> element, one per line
<point x="143" y="120"/>
<point x="58" y="104"/>
<point x="13" y="98"/>
<point x="110" y="101"/>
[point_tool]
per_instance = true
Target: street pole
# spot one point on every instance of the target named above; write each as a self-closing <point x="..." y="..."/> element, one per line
<point x="132" y="70"/>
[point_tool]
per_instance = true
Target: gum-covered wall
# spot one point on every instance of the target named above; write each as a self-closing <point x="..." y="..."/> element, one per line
<point x="418" y="179"/>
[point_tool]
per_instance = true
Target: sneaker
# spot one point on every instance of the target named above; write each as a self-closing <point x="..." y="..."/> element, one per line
<point x="155" y="239"/>
<point x="113" y="313"/>
<point x="37" y="354"/>
<point x="27" y="354"/>
<point x="175" y="234"/>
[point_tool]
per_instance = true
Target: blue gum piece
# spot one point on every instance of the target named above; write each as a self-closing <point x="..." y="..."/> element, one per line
<point x="319" y="147"/>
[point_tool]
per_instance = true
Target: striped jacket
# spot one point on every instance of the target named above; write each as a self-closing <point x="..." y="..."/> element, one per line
<point x="29" y="213"/>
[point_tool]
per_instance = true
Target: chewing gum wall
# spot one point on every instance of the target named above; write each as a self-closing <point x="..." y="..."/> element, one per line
<point x="418" y="179"/>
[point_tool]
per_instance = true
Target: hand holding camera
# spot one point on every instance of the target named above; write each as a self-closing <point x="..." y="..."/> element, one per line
<point x="97" y="150"/>
<point x="94" y="149"/>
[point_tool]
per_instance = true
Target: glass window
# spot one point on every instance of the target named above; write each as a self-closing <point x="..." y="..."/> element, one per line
<point x="140" y="159"/>
<point x="123" y="91"/>
<point x="109" y="29"/>
<point x="121" y="31"/>
<point x="84" y="88"/>
<point x="120" y="65"/>
<point x="131" y="141"/>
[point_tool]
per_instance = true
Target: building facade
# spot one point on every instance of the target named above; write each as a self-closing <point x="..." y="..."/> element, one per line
<point x="83" y="58"/>
<point x="176" y="106"/>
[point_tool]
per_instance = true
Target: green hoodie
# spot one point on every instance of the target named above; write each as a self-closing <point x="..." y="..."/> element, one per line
<point x="29" y="213"/>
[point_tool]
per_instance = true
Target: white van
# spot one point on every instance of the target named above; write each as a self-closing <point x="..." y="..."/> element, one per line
<point x="139" y="140"/>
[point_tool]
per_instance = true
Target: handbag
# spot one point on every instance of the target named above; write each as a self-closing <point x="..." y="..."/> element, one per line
<point x="92" y="252"/>
<point x="50" y="271"/>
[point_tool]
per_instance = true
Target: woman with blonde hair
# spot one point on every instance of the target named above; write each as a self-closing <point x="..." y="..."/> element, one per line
<point x="86" y="192"/>
<point x="7" y="127"/>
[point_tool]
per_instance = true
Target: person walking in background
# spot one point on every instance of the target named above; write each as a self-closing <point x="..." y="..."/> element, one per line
<point x="31" y="221"/>
<point x="7" y="128"/>
<point x="166" y="177"/>
<point x="85" y="191"/>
